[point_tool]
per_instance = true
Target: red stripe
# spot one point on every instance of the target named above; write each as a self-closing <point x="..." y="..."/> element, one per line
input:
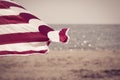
<point x="6" y="4"/>
<point x="44" y="29"/>
<point x="22" y="37"/>
<point x="15" y="19"/>
<point x="63" y="36"/>
<point x="23" y="52"/>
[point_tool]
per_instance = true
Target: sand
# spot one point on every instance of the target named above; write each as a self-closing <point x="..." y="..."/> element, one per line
<point x="62" y="65"/>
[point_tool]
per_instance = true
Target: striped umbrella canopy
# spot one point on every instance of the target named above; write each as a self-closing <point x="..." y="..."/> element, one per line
<point x="23" y="33"/>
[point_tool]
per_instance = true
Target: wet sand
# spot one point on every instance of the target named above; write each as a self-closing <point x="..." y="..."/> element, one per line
<point x="62" y="65"/>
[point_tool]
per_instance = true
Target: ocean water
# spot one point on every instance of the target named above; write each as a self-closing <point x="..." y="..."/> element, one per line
<point x="89" y="37"/>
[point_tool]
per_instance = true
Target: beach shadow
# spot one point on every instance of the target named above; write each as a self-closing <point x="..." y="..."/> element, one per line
<point x="84" y="73"/>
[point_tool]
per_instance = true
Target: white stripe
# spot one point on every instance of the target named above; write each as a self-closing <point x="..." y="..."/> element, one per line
<point x="54" y="36"/>
<point x="6" y="0"/>
<point x="12" y="11"/>
<point x="11" y="2"/>
<point x="24" y="46"/>
<point x="32" y="26"/>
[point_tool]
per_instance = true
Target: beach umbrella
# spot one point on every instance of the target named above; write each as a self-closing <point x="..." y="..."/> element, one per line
<point x="21" y="32"/>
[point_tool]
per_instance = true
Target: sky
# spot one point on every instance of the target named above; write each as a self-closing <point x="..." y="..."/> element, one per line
<point x="75" y="11"/>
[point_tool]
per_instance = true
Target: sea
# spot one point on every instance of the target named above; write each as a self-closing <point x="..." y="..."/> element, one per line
<point x="89" y="37"/>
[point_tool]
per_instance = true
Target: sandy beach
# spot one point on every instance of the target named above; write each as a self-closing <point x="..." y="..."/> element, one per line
<point x="62" y="65"/>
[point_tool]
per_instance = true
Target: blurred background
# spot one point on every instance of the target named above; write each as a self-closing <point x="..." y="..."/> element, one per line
<point x="94" y="24"/>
